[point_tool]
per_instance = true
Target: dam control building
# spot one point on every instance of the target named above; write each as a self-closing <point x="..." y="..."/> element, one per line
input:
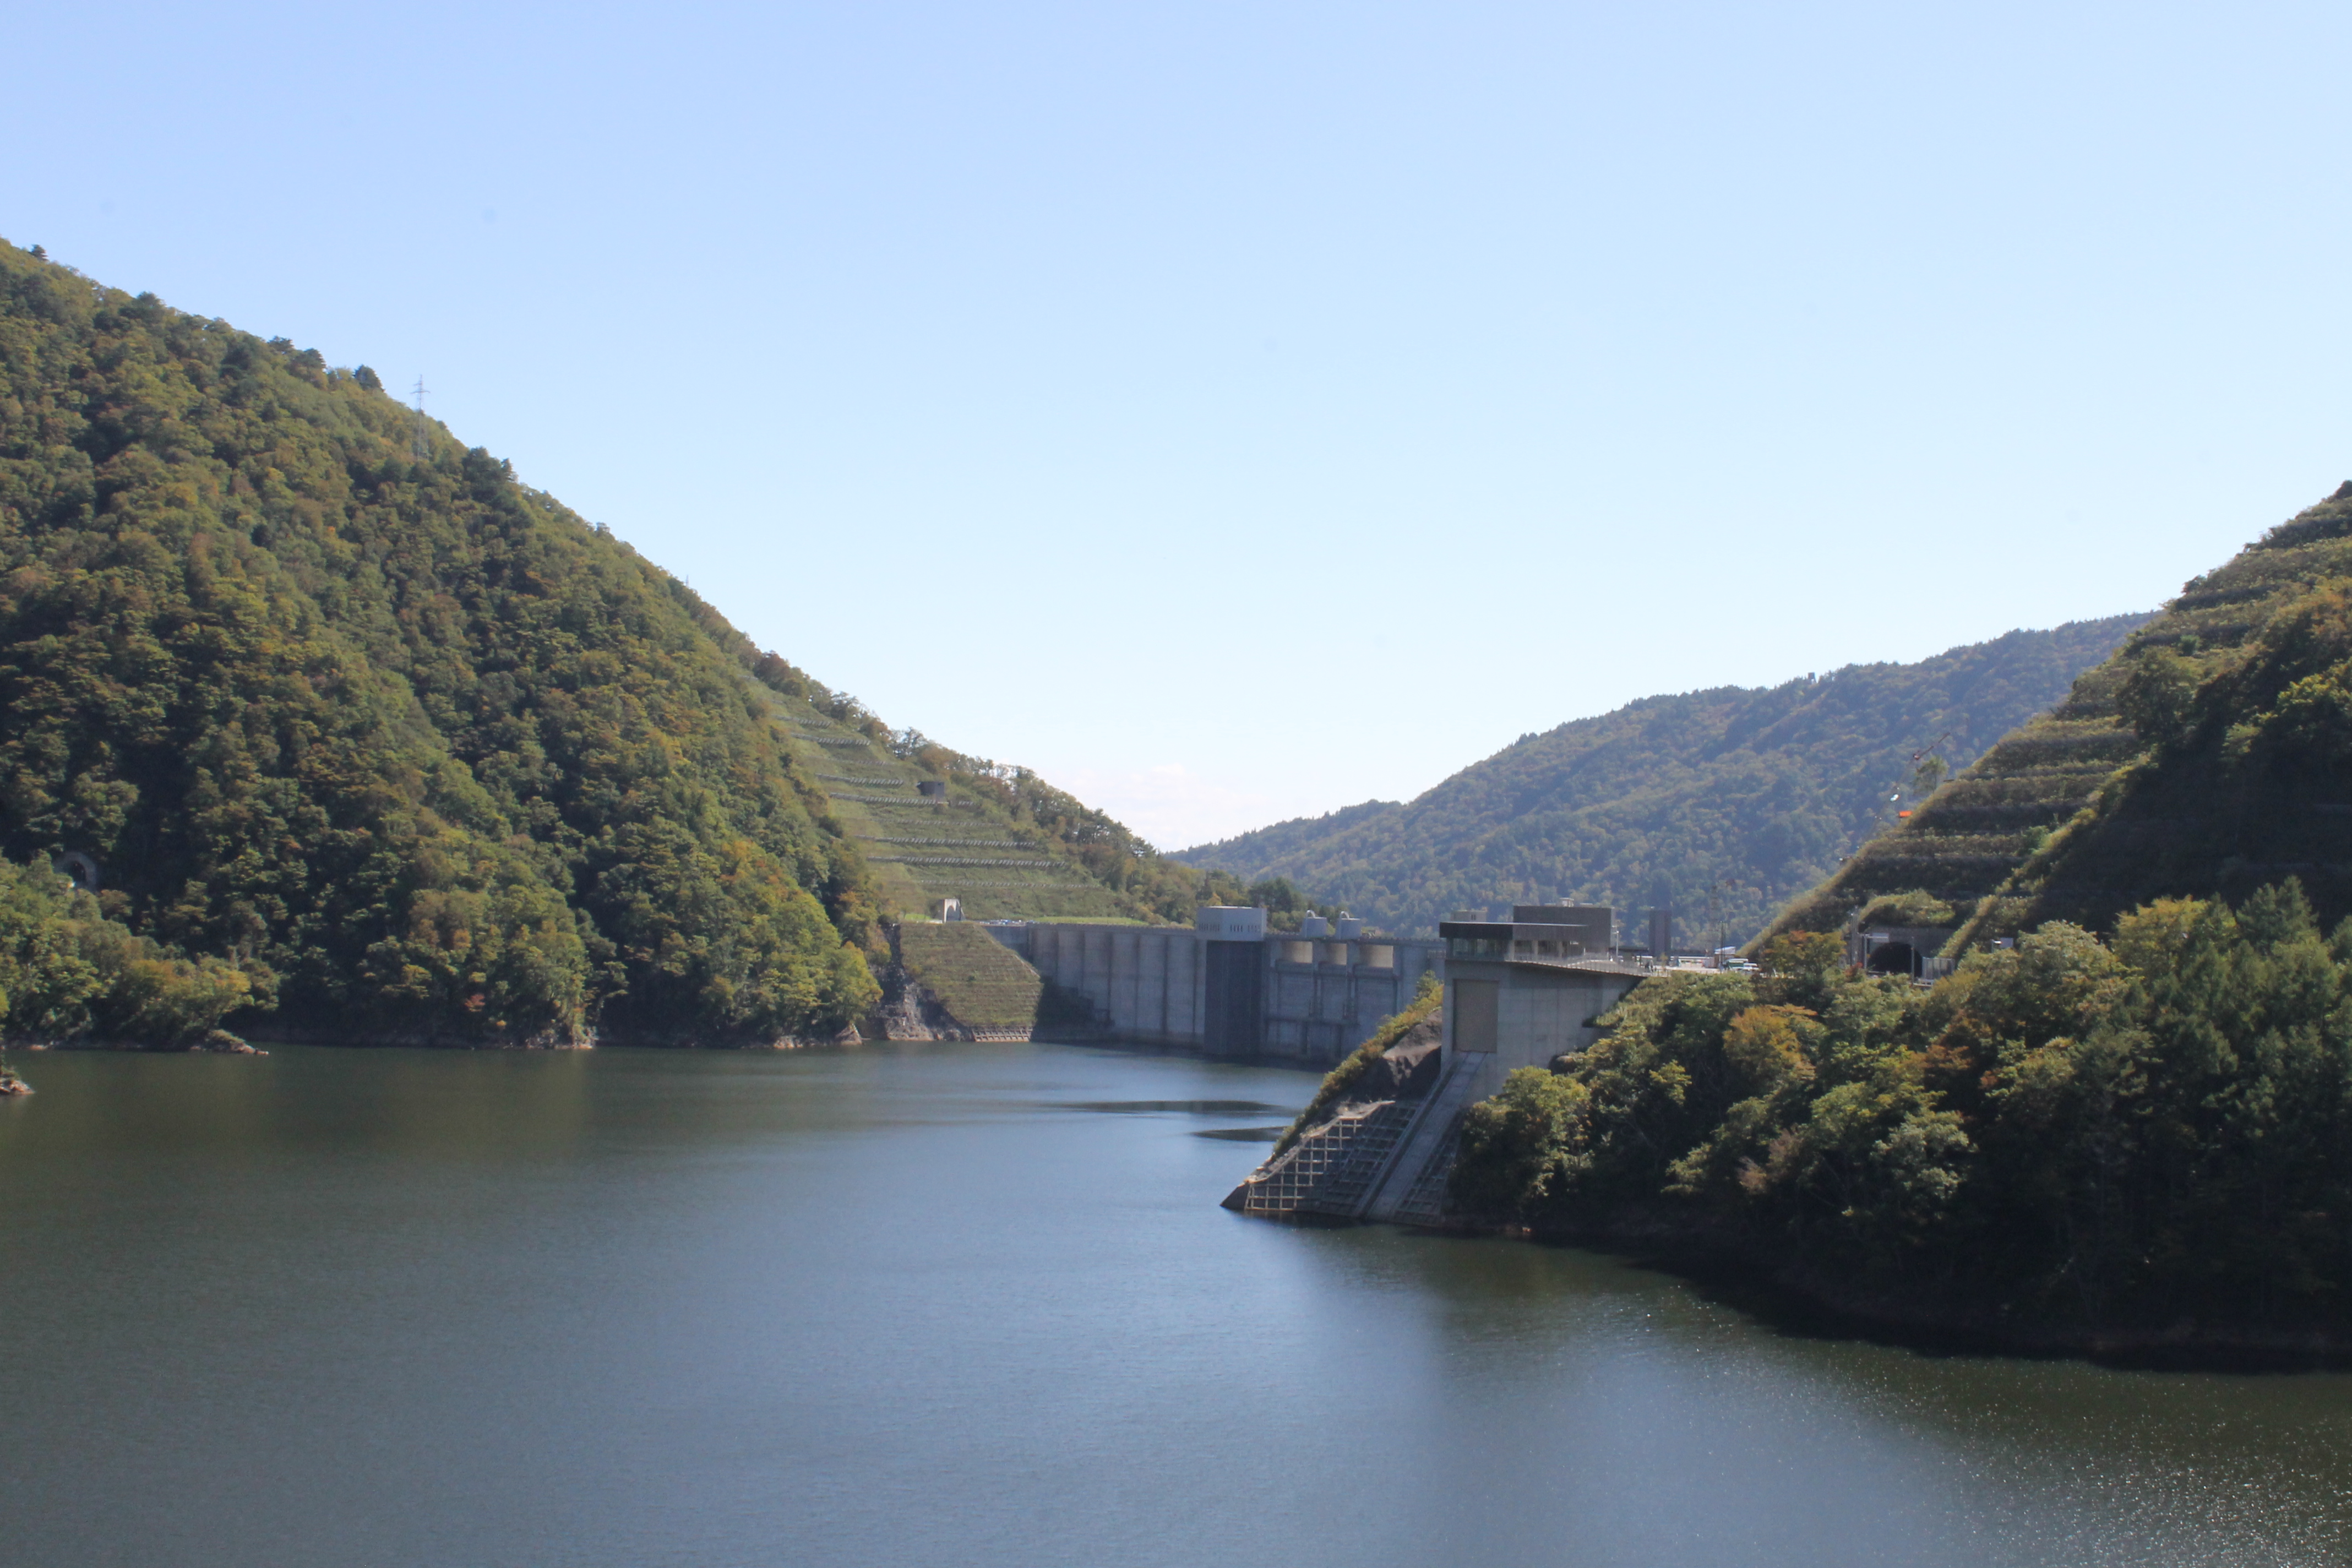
<point x="1518" y="993"/>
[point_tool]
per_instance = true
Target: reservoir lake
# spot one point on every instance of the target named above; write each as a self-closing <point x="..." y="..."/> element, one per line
<point x="965" y="1304"/>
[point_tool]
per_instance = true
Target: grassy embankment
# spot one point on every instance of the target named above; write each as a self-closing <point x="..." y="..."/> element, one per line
<point x="917" y="851"/>
<point x="980" y="982"/>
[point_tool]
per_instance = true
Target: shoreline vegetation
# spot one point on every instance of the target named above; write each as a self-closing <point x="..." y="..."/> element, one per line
<point x="2137" y="1147"/>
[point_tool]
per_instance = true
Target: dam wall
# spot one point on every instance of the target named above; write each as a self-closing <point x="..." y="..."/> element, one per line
<point x="1147" y="983"/>
<point x="1227" y="986"/>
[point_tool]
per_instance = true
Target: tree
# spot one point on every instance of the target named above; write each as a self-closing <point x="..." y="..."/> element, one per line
<point x="2067" y="1132"/>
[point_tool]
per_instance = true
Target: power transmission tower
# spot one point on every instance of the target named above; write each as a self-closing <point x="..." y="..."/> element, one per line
<point x="419" y="447"/>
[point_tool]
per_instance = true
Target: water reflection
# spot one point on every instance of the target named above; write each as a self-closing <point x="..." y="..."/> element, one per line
<point x="1173" y="1107"/>
<point x="901" y="1305"/>
<point x="1706" y="1433"/>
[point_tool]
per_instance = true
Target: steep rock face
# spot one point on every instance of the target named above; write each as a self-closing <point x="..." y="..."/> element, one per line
<point x="1734" y="796"/>
<point x="1407" y="1069"/>
<point x="2210" y="754"/>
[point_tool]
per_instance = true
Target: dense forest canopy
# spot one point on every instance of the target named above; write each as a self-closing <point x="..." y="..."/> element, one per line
<point x="2149" y="1136"/>
<point x="414" y="751"/>
<point x="1731" y="799"/>
<point x="2209" y="755"/>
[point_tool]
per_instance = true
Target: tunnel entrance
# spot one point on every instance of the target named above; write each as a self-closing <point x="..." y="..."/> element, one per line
<point x="1894" y="958"/>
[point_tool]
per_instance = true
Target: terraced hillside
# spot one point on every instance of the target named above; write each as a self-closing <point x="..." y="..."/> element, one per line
<point x="979" y="982"/>
<point x="966" y="844"/>
<point x="1963" y="843"/>
<point x="2210" y="754"/>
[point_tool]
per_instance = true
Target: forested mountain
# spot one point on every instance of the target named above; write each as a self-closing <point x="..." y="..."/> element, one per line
<point x="2212" y="755"/>
<point x="355" y="726"/>
<point x="1736" y="796"/>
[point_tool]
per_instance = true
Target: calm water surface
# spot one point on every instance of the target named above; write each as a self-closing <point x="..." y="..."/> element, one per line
<point x="958" y="1305"/>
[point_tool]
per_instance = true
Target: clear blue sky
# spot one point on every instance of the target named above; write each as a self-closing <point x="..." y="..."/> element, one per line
<point x="1237" y="411"/>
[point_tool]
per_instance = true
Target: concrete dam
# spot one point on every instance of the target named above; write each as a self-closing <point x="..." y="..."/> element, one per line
<point x="1517" y="994"/>
<point x="1229" y="987"/>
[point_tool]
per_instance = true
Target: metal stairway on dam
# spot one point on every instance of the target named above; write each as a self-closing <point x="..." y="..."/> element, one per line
<point x="1415" y="1176"/>
<point x="1326" y="1172"/>
<point x="1385" y="1160"/>
<point x="1424" y="1200"/>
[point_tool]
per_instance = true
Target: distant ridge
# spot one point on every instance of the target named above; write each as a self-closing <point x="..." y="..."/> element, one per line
<point x="1746" y="795"/>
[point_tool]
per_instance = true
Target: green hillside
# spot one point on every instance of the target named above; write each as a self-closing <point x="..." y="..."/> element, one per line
<point x="333" y="700"/>
<point x="1736" y="796"/>
<point x="2210" y="755"/>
